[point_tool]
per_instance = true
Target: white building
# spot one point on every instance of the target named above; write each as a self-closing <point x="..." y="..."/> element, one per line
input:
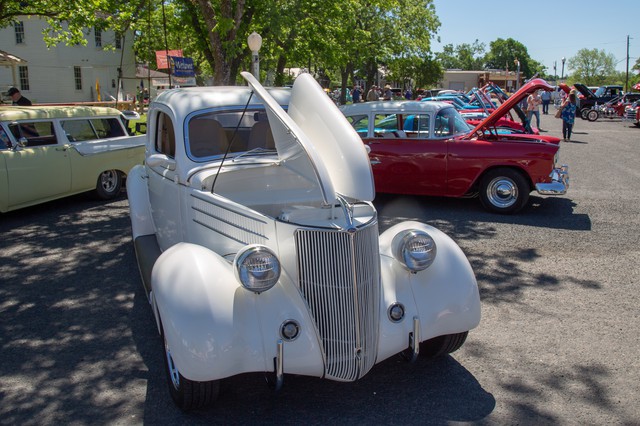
<point x="64" y="73"/>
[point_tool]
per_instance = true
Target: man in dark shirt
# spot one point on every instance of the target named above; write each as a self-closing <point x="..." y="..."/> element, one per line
<point x="17" y="97"/>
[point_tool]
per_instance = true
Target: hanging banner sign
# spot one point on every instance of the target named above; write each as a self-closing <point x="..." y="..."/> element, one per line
<point x="161" y="57"/>
<point x="182" y="67"/>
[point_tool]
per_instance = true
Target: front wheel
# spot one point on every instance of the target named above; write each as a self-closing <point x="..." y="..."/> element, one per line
<point x="584" y="112"/>
<point x="188" y="394"/>
<point x="442" y="345"/>
<point x="504" y="191"/>
<point x="109" y="184"/>
<point x="592" y="115"/>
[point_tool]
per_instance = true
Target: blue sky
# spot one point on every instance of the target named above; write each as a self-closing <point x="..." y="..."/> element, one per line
<point x="549" y="29"/>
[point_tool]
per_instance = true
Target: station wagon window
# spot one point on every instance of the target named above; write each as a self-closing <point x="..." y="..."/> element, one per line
<point x="5" y="142"/>
<point x="165" y="136"/>
<point x="96" y="128"/>
<point x="36" y="133"/>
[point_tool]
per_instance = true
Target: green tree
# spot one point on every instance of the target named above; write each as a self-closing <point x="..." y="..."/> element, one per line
<point x="463" y="56"/>
<point x="592" y="67"/>
<point x="504" y="54"/>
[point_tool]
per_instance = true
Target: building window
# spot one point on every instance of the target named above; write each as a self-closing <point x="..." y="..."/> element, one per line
<point x="77" y="74"/>
<point x="98" y="37"/>
<point x="23" y="72"/>
<point x="19" y="29"/>
<point x="118" y="41"/>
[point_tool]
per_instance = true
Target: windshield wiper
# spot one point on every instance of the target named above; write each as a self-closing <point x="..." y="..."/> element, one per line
<point x="255" y="151"/>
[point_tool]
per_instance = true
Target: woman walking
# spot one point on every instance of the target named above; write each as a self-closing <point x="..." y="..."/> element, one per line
<point x="568" y="108"/>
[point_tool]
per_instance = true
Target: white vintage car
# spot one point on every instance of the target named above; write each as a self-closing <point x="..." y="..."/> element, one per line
<point x="50" y="152"/>
<point x="259" y="247"/>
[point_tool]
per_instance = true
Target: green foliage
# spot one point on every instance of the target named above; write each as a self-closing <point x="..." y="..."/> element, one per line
<point x="468" y="57"/>
<point x="505" y="54"/>
<point x="592" y="67"/>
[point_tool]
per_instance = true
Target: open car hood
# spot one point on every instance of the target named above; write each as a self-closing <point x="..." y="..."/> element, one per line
<point x="513" y="100"/>
<point x="584" y="91"/>
<point x="316" y="131"/>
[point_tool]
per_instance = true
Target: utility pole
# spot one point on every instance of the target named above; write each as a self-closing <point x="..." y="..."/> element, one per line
<point x="626" y="82"/>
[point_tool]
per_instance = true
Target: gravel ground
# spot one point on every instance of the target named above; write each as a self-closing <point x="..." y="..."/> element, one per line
<point x="557" y="343"/>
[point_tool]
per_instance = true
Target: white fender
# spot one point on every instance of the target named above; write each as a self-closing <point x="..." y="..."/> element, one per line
<point x="444" y="297"/>
<point x="138" y="195"/>
<point x="216" y="328"/>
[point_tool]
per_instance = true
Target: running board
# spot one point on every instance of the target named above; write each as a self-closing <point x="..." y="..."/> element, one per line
<point x="147" y="252"/>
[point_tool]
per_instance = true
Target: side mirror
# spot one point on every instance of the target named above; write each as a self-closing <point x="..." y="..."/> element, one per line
<point x="22" y="143"/>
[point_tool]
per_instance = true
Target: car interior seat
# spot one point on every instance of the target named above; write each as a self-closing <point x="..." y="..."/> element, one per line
<point x="207" y="138"/>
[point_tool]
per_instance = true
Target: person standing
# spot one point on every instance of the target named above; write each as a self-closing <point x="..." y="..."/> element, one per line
<point x="533" y="104"/>
<point x="569" y="107"/>
<point x="17" y="97"/>
<point x="372" y="94"/>
<point x="355" y="94"/>
<point x="546" y="100"/>
<point x="388" y="94"/>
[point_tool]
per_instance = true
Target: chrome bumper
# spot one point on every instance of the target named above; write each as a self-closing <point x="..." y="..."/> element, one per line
<point x="559" y="182"/>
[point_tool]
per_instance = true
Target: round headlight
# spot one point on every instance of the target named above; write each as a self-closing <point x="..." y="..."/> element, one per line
<point x="257" y="268"/>
<point x="414" y="249"/>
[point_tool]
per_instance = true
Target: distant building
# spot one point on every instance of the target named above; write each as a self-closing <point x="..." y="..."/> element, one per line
<point x="67" y="73"/>
<point x="466" y="80"/>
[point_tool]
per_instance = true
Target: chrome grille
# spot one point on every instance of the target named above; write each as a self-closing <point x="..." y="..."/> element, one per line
<point x="339" y="276"/>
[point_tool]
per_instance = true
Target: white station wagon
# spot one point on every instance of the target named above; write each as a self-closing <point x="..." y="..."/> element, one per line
<point x="259" y="248"/>
<point x="53" y="152"/>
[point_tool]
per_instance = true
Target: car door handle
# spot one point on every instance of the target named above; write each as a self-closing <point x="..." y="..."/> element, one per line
<point x="375" y="160"/>
<point x="62" y="148"/>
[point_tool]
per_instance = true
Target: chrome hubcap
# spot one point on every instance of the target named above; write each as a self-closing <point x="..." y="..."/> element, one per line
<point x="502" y="192"/>
<point x="108" y="180"/>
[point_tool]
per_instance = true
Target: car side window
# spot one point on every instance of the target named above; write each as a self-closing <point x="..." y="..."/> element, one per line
<point x="108" y="127"/>
<point x="385" y="123"/>
<point x="360" y="123"/>
<point x="165" y="135"/>
<point x="78" y="130"/>
<point x="5" y="142"/>
<point x="36" y="133"/>
<point x="417" y="126"/>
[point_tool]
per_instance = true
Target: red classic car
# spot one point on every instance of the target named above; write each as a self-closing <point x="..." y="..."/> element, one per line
<point x="427" y="148"/>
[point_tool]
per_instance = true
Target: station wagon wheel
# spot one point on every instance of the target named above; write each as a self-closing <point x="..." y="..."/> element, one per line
<point x="187" y="394"/>
<point x="504" y="191"/>
<point x="109" y="184"/>
<point x="592" y="115"/>
<point x="442" y="345"/>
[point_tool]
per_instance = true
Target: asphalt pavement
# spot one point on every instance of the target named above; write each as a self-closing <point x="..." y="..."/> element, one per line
<point x="557" y="344"/>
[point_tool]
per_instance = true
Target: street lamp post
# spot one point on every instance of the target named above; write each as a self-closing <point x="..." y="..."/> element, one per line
<point x="517" y="62"/>
<point x="562" y="73"/>
<point x="254" y="41"/>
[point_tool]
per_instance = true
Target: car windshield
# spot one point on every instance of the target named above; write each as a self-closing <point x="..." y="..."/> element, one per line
<point x="449" y="122"/>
